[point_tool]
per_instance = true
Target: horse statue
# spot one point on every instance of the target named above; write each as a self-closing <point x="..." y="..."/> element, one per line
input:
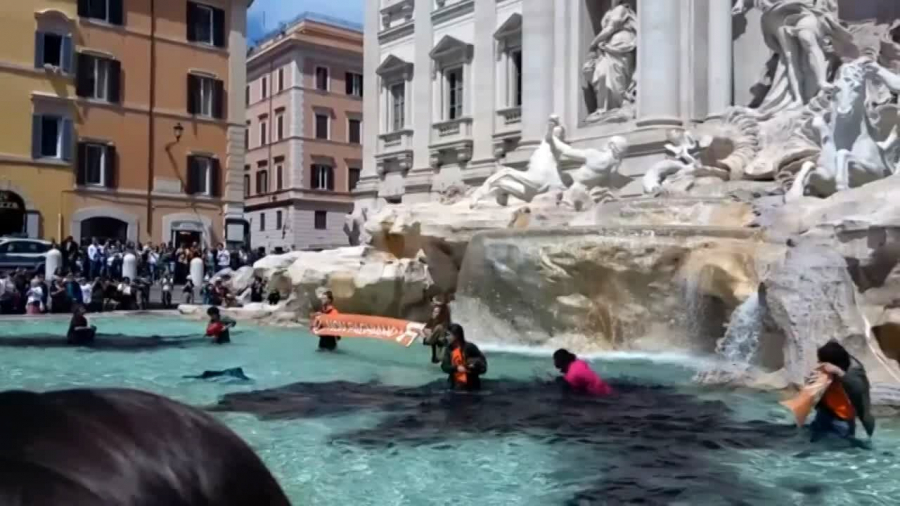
<point x="541" y="176"/>
<point x="851" y="153"/>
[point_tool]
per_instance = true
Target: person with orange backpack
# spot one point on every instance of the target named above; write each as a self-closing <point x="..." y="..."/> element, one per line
<point x="463" y="361"/>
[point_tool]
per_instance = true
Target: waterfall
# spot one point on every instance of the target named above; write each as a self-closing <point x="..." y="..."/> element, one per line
<point x="741" y="341"/>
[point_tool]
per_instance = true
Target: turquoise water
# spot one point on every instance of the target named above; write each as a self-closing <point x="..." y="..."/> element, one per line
<point x="663" y="439"/>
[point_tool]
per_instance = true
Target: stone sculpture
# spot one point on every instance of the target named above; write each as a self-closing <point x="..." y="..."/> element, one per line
<point x="851" y="155"/>
<point x="609" y="70"/>
<point x="597" y="166"/>
<point x="684" y="153"/>
<point x="541" y="176"/>
<point x="800" y="34"/>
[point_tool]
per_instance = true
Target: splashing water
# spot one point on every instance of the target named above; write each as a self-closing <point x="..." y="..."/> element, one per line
<point x="741" y="341"/>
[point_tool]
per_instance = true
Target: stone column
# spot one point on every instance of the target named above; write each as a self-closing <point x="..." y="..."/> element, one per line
<point x="538" y="76"/>
<point x="367" y="189"/>
<point x="483" y="94"/>
<point x="658" y="62"/>
<point x="720" y="63"/>
<point x="422" y="84"/>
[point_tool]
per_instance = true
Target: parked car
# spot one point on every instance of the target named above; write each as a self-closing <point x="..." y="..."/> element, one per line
<point x="28" y="253"/>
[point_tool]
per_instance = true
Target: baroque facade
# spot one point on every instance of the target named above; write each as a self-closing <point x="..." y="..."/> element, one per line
<point x="462" y="85"/>
<point x="122" y="120"/>
<point x="304" y="133"/>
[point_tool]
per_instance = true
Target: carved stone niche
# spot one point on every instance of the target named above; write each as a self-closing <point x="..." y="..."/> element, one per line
<point x="591" y="110"/>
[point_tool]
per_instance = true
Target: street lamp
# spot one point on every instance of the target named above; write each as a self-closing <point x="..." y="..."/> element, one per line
<point x="179" y="130"/>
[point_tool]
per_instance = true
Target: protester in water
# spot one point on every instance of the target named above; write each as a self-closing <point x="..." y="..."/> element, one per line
<point x="218" y="326"/>
<point x="326" y="343"/>
<point x="846" y="399"/>
<point x="463" y="361"/>
<point x="435" y="331"/>
<point x="117" y="447"/>
<point x="80" y="331"/>
<point x="578" y="375"/>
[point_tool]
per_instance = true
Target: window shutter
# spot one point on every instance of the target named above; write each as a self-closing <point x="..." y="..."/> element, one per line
<point x="116" y="16"/>
<point x="82" y="81"/>
<point x="361" y="85"/>
<point x="214" y="177"/>
<point x="330" y="172"/>
<point x="83" y="9"/>
<point x="218" y="99"/>
<point x="312" y="177"/>
<point x="36" y="136"/>
<point x="193" y="93"/>
<point x="115" y="81"/>
<point x="81" y="165"/>
<point x="111" y="176"/>
<point x="192" y="175"/>
<point x="348" y="83"/>
<point x="67" y="54"/>
<point x="218" y="27"/>
<point x="191" y="22"/>
<point x="67" y="135"/>
<point x="38" y="50"/>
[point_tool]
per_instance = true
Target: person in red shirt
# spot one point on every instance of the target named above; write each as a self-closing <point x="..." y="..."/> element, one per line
<point x="218" y="326"/>
<point x="326" y="343"/>
<point x="578" y="375"/>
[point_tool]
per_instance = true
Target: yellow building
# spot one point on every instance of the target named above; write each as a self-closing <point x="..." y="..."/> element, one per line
<point x="37" y="40"/>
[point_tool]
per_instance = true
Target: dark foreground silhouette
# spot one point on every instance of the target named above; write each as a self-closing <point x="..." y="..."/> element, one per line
<point x="110" y="447"/>
<point x="103" y="342"/>
<point x="235" y="374"/>
<point x="644" y="445"/>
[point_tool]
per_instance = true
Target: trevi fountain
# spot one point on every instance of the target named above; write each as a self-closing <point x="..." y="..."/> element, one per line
<point x="752" y="236"/>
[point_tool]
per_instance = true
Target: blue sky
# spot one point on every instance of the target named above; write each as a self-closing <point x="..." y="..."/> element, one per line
<point x="266" y="15"/>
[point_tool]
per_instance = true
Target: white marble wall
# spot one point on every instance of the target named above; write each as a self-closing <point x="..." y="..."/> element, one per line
<point x="693" y="62"/>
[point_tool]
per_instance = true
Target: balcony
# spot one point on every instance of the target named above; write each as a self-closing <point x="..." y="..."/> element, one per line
<point x="447" y="10"/>
<point x="452" y="131"/>
<point x="509" y="119"/>
<point x="394" y="142"/>
<point x="396" y="19"/>
<point x="507" y="129"/>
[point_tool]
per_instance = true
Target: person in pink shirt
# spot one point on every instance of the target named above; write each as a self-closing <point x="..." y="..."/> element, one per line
<point x="578" y="374"/>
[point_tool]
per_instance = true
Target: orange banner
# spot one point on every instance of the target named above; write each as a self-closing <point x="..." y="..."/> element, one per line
<point x="802" y="404"/>
<point x="402" y="332"/>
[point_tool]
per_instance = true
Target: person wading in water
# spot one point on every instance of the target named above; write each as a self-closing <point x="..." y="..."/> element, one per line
<point x="435" y="331"/>
<point x="326" y="343"/>
<point x="463" y="361"/>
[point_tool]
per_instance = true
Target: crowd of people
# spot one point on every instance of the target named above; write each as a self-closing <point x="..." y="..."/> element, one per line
<point x="92" y="275"/>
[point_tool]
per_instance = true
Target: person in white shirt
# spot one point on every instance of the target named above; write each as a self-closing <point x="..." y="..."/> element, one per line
<point x="86" y="292"/>
<point x="93" y="253"/>
<point x="167" y="291"/>
<point x="152" y="261"/>
<point x="223" y="258"/>
<point x="35" y="298"/>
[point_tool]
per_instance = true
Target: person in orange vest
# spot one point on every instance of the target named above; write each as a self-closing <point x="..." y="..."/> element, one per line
<point x="326" y="343"/>
<point x="463" y="361"/>
<point x="846" y="399"/>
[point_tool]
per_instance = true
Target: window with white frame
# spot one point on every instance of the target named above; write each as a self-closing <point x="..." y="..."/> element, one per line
<point x="206" y="24"/>
<point x="53" y="49"/>
<point x="95" y="164"/>
<point x="321" y="220"/>
<point x="246" y="185"/>
<point x="279" y="176"/>
<point x="398" y="107"/>
<point x="453" y="93"/>
<point x="262" y="182"/>
<point x="354" y="83"/>
<point x="263" y="132"/>
<point x="202" y="174"/>
<point x="281" y="79"/>
<point x="52" y="136"/>
<point x="264" y="89"/>
<point x="279" y="127"/>
<point x="322" y="124"/>
<point x="93" y="77"/>
<point x="514" y="94"/>
<point x="322" y="78"/>
<point x="109" y="11"/>
<point x="322" y="177"/>
<point x="204" y="96"/>
<point x="354" y="127"/>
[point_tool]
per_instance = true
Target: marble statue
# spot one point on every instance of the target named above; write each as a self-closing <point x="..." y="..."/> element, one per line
<point x="683" y="161"/>
<point x="354" y="226"/>
<point x="541" y="176"/>
<point x="801" y="33"/>
<point x="851" y="155"/>
<point x="609" y="70"/>
<point x="597" y="166"/>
